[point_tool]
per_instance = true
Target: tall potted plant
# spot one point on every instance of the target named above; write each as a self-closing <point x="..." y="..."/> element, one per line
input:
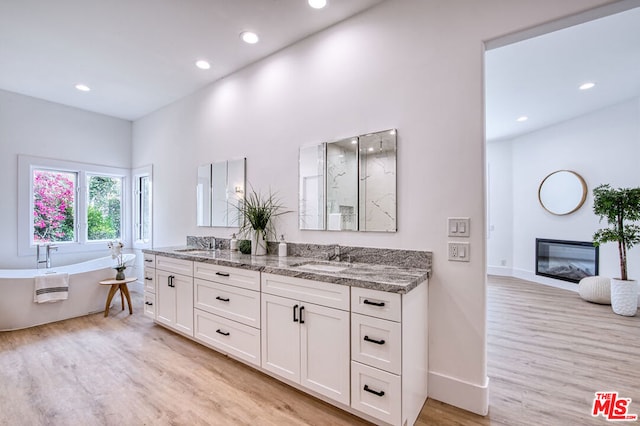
<point x="621" y="208"/>
<point x="259" y="211"/>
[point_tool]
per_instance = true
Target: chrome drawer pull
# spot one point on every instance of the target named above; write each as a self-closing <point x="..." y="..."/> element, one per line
<point x="222" y="332"/>
<point x="377" y="342"/>
<point x="368" y="302"/>
<point x="378" y="393"/>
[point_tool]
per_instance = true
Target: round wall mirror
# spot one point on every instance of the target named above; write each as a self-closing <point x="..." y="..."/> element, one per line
<point x="562" y="192"/>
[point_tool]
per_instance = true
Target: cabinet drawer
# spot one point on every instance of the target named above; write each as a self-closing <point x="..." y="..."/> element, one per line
<point x="150" y="304"/>
<point x="376" y="393"/>
<point x="228" y="336"/>
<point x="149" y="280"/>
<point x="231" y="302"/>
<point x="376" y="342"/>
<point x="177" y="266"/>
<point x="149" y="260"/>
<point x="320" y="293"/>
<point x="225" y="275"/>
<point x="375" y="303"/>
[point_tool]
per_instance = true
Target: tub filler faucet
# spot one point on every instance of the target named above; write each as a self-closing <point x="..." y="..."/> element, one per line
<point x="47" y="255"/>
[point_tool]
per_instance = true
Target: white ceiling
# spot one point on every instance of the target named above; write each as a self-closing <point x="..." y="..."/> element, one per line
<point x="539" y="77"/>
<point x="139" y="55"/>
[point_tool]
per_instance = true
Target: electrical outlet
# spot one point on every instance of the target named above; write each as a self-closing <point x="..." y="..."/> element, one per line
<point x="459" y="252"/>
<point x="459" y="226"/>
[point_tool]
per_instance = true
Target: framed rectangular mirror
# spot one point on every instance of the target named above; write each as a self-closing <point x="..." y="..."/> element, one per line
<point x="203" y="196"/>
<point x="311" y="187"/>
<point x="349" y="184"/>
<point x="220" y="189"/>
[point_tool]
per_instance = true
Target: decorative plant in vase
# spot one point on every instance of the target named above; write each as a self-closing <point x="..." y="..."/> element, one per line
<point x="621" y="208"/>
<point x="116" y="253"/>
<point x="259" y="211"/>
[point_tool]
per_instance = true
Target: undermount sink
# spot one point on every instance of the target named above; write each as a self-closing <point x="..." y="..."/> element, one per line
<point x="319" y="266"/>
<point x="196" y="251"/>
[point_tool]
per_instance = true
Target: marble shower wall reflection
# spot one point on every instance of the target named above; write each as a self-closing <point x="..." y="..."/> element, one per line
<point x="377" y="209"/>
<point x="342" y="185"/>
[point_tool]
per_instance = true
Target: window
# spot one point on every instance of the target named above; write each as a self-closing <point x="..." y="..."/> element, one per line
<point x="54" y="206"/>
<point x="104" y="208"/>
<point x="77" y="206"/>
<point x="142" y="207"/>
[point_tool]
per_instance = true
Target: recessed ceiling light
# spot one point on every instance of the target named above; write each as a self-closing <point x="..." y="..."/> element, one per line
<point x="203" y="65"/>
<point x="587" y="86"/>
<point x="317" y="4"/>
<point x="522" y="118"/>
<point x="82" y="87"/>
<point x="249" y="37"/>
<point x="370" y="149"/>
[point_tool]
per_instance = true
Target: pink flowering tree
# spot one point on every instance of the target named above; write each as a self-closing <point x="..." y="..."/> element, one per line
<point x="53" y="201"/>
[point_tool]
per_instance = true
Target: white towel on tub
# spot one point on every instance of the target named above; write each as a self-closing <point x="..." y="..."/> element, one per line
<point x="51" y="288"/>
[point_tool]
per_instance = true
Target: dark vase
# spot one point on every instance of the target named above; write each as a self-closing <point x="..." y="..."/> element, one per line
<point x="120" y="273"/>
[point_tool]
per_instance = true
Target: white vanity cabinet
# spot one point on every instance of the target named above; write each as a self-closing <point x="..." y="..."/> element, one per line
<point x="150" y="285"/>
<point x="174" y="294"/>
<point x="389" y="354"/>
<point x="305" y="334"/>
<point x="227" y="310"/>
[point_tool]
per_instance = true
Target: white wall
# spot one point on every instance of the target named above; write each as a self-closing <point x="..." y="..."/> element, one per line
<point x="602" y="147"/>
<point x="39" y="128"/>
<point x="406" y="64"/>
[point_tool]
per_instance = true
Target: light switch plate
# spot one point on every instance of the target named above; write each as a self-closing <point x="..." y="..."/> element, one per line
<point x="459" y="226"/>
<point x="458" y="252"/>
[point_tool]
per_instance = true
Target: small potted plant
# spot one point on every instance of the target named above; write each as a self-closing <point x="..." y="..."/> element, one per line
<point x="259" y="211"/>
<point x="116" y="253"/>
<point x="621" y="208"/>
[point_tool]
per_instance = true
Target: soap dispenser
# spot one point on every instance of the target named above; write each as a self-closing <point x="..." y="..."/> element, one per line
<point x="233" y="244"/>
<point x="282" y="247"/>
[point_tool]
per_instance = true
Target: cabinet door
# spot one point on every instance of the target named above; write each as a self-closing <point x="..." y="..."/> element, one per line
<point x="281" y="337"/>
<point x="165" y="299"/>
<point x="324" y="351"/>
<point x="184" y="304"/>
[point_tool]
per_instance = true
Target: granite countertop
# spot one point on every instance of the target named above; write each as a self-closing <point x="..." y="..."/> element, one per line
<point x="392" y="279"/>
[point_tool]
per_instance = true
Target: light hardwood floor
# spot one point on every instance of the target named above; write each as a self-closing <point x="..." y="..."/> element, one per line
<point x="549" y="351"/>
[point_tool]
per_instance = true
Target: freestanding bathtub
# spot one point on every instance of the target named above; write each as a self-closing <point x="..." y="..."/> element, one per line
<point x="18" y="310"/>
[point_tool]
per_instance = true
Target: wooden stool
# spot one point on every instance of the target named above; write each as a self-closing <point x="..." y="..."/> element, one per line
<point x="124" y="291"/>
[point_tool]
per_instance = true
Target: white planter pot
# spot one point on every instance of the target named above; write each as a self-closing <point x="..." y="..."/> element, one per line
<point x="624" y="297"/>
<point x="258" y="244"/>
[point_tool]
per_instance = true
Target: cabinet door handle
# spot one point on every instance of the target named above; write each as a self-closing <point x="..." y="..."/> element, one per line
<point x="377" y="342"/>
<point x="295" y="308"/>
<point x="148" y="303"/>
<point x="222" y="274"/>
<point x="171" y="284"/>
<point x="148" y="278"/>
<point x="224" y="333"/>
<point x="148" y="260"/>
<point x="301" y="311"/>
<point x="378" y="393"/>
<point x="368" y="302"/>
<point x="222" y="299"/>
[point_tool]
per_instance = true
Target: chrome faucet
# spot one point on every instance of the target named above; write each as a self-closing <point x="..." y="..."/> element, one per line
<point x="338" y="255"/>
<point x="47" y="257"/>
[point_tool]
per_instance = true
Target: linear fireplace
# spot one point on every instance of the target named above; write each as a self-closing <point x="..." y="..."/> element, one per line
<point x="566" y="260"/>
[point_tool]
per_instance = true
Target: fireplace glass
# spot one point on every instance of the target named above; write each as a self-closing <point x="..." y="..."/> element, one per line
<point x="566" y="260"/>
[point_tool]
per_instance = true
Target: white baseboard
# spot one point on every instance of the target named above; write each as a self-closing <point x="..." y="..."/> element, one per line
<point x="502" y="271"/>
<point x="465" y="395"/>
